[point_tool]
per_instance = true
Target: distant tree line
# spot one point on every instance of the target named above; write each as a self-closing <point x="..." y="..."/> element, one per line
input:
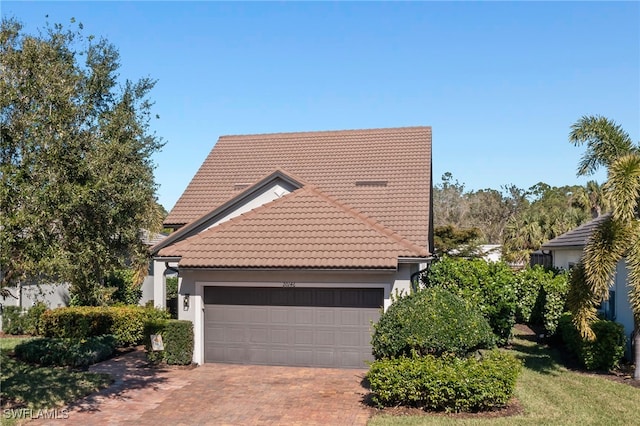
<point x="518" y="219"/>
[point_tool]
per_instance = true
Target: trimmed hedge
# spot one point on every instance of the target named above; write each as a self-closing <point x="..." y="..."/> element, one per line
<point x="604" y="353"/>
<point x="125" y="323"/>
<point x="48" y="351"/>
<point x="177" y="338"/>
<point x="15" y="321"/>
<point x="445" y="383"/>
<point x="430" y="321"/>
<point x="487" y="285"/>
<point x="541" y="297"/>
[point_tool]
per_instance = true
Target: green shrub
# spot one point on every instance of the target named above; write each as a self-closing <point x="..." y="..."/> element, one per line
<point x="177" y="338"/>
<point x="541" y="297"/>
<point x="16" y="321"/>
<point x="430" y="321"/>
<point x="554" y="294"/>
<point x="32" y="318"/>
<point x="488" y="285"/>
<point x="12" y="320"/>
<point x="48" y="351"/>
<point x="604" y="353"/>
<point x="445" y="383"/>
<point x="124" y="289"/>
<point x="172" y="287"/>
<point x="125" y="323"/>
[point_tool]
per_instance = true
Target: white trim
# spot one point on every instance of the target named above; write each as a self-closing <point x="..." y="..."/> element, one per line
<point x="415" y="259"/>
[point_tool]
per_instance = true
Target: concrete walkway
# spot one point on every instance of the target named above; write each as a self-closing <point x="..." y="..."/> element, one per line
<point x="221" y="394"/>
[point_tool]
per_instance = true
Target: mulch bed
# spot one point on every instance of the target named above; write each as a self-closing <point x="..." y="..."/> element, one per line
<point x="512" y="409"/>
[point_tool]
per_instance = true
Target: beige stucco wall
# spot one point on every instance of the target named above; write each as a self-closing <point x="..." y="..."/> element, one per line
<point x="272" y="192"/>
<point x="563" y="258"/>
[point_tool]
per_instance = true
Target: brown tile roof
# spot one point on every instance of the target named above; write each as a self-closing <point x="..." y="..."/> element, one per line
<point x="303" y="229"/>
<point x="576" y="238"/>
<point x="383" y="173"/>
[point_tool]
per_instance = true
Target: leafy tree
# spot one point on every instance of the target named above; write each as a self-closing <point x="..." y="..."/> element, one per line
<point x="76" y="173"/>
<point x="448" y="205"/>
<point x="618" y="236"/>
<point x="489" y="210"/>
<point x="551" y="211"/>
<point x="455" y="242"/>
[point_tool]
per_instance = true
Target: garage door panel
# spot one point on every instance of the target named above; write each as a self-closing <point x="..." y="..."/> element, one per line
<point x="325" y="316"/>
<point x="303" y="336"/>
<point x="349" y="317"/>
<point x="235" y="334"/>
<point x="259" y="315"/>
<point x="259" y="335"/>
<point x="303" y="356"/>
<point x="281" y="332"/>
<point x="279" y="336"/>
<point x="325" y="358"/>
<point x="216" y="334"/>
<point x="351" y="359"/>
<point x="325" y="337"/>
<point x="258" y="355"/>
<point x="279" y="356"/>
<point x="279" y="315"/>
<point x="303" y="316"/>
<point x="349" y="338"/>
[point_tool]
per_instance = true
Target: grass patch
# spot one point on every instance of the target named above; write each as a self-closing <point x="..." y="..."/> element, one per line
<point x="549" y="394"/>
<point x="30" y="386"/>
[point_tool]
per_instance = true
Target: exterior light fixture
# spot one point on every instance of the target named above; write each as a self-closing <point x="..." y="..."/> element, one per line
<point x="185" y="302"/>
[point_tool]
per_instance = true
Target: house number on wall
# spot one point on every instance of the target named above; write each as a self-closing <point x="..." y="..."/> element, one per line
<point x="288" y="284"/>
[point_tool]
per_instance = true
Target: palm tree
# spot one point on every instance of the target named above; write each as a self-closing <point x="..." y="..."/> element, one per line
<point x="605" y="139"/>
<point x="591" y="197"/>
<point x="617" y="237"/>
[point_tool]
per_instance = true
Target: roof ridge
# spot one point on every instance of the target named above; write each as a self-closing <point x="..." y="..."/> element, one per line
<point x="246" y="215"/>
<point x="324" y="132"/>
<point x="264" y="179"/>
<point x="368" y="220"/>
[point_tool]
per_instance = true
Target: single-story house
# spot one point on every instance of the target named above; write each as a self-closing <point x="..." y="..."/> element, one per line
<point x="566" y="251"/>
<point x="288" y="245"/>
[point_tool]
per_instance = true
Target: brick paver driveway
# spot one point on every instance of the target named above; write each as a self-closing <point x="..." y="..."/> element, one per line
<point x="222" y="394"/>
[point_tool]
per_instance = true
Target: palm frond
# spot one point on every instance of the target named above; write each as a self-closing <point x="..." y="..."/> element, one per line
<point x="606" y="246"/>
<point x="633" y="264"/>
<point x="623" y="187"/>
<point x="581" y="302"/>
<point x="605" y="141"/>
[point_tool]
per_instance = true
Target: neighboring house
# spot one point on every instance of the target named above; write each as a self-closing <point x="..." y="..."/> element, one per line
<point x="566" y="250"/>
<point x="288" y="245"/>
<point x="491" y="252"/>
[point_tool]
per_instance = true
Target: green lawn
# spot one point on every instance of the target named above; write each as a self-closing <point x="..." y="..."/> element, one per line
<point x="28" y="386"/>
<point x="549" y="395"/>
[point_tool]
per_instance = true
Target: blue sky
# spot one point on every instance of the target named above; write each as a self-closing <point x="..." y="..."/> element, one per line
<point x="499" y="82"/>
